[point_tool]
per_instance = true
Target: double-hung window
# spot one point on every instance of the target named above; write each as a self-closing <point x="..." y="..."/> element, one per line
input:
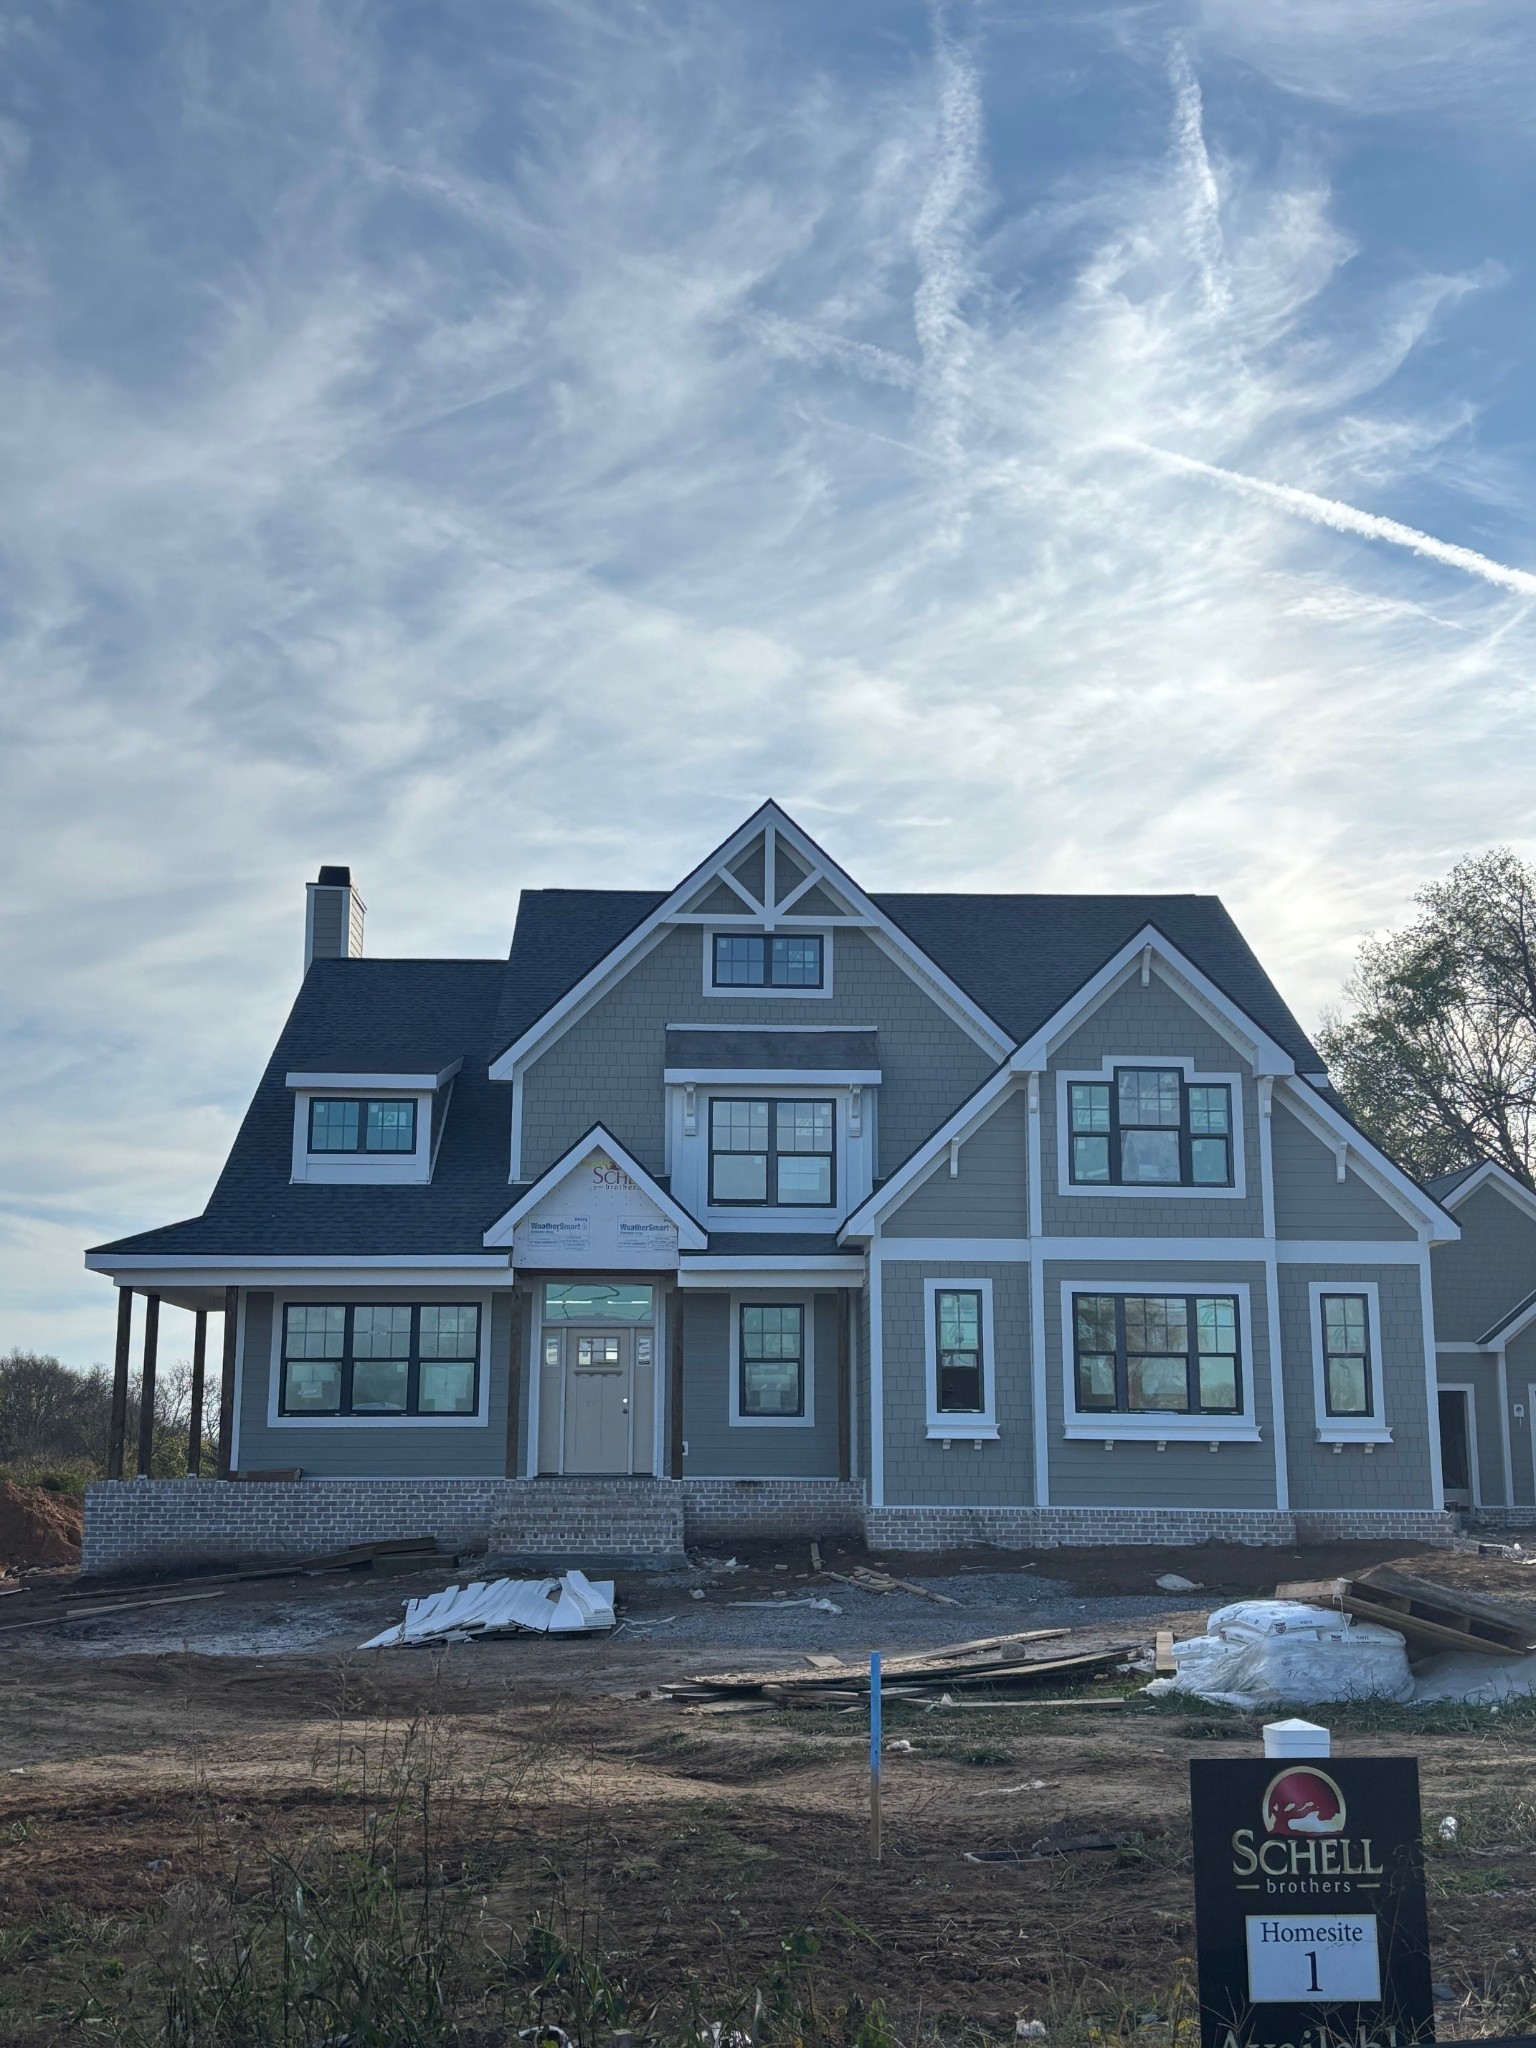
<point x="1149" y="1127"/>
<point x="772" y="1360"/>
<point x="962" y="1367"/>
<point x="1144" y="1354"/>
<point x="351" y="1124"/>
<point x="380" y="1359"/>
<point x="768" y="960"/>
<point x="765" y="1154"/>
<point x="1346" y="1332"/>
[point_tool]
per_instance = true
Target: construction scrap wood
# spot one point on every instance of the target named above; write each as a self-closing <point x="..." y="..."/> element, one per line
<point x="1445" y="1617"/>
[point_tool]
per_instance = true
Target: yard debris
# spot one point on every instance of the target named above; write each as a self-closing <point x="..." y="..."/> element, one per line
<point x="1174" y="1582"/>
<point x="778" y="1606"/>
<point x="869" y="1581"/>
<point x="39" y="1526"/>
<point x="1056" y="1841"/>
<point x="993" y="1663"/>
<point x="573" y="1604"/>
<point x="1440" y="1617"/>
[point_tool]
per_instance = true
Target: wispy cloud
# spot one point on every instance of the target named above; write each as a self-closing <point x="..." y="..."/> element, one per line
<point x="502" y="454"/>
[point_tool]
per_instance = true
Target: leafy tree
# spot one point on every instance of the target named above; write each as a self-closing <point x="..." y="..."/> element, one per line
<point x="1436" y="1054"/>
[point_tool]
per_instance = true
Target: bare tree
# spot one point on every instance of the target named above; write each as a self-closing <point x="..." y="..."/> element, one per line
<point x="1436" y="1053"/>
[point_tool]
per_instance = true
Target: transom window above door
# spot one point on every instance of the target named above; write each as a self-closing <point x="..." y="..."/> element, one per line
<point x="771" y="1154"/>
<point x="1150" y="1127"/>
<point x="768" y="960"/>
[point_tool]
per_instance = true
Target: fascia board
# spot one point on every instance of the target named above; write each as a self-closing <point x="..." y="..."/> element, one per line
<point x="1247" y="1037"/>
<point x="1389" y="1181"/>
<point x="1509" y="1327"/>
<point x="973" y="1112"/>
<point x="771" y="1077"/>
<point x="341" y="1078"/>
<point x="690" y="1235"/>
<point x="1490" y="1170"/>
<point x="917" y="963"/>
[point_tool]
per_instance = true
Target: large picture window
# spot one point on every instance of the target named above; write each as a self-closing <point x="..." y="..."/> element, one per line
<point x="1144" y="1354"/>
<point x="768" y="960"/>
<point x="1149" y="1127"/>
<point x="351" y="1124"/>
<point x="1346" y="1327"/>
<point x="772" y="1360"/>
<point x="771" y="1154"/>
<point x="380" y="1359"/>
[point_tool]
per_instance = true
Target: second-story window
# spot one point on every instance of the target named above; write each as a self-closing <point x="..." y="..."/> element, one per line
<point x="351" y="1125"/>
<point x="771" y="1154"/>
<point x="1149" y="1127"/>
<point x="768" y="960"/>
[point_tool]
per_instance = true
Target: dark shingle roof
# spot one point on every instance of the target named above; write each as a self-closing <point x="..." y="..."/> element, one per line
<point x="560" y="935"/>
<point x="1444" y="1184"/>
<point x="785" y="1051"/>
<point x="392" y="1015"/>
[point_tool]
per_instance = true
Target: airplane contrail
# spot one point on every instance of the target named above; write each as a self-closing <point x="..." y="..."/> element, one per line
<point x="1348" y="519"/>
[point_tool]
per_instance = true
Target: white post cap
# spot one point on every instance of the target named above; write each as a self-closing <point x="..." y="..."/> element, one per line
<point x="1296" y="1738"/>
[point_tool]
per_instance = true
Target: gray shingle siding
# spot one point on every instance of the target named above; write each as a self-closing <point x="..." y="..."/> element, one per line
<point x="607" y="1067"/>
<point x="1141" y="1023"/>
<point x="401" y="1450"/>
<point x="918" y="1471"/>
<point x="1310" y="1199"/>
<point x="1481" y="1278"/>
<point x="1395" y="1475"/>
<point x="1481" y="1374"/>
<point x="1084" y="1474"/>
<point x="989" y="1197"/>
<point x="719" y="1448"/>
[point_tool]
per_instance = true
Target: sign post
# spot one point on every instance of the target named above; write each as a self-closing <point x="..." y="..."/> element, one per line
<point x="1309" y="1902"/>
<point x="874" y="1755"/>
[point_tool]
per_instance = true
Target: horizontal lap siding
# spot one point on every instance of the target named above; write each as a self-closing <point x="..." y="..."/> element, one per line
<point x="1138" y="1023"/>
<point x="608" y="1066"/>
<point x="1395" y="1475"/>
<point x="719" y="1448"/>
<point x="400" y="1450"/>
<point x="987" y="1197"/>
<point x="1310" y="1199"/>
<point x="1084" y="1474"/>
<point x="920" y="1471"/>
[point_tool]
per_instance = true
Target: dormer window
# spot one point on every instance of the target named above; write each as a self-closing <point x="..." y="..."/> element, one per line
<point x="768" y="960"/>
<point x="342" y="1124"/>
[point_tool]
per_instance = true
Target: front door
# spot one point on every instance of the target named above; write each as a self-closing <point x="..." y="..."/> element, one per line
<point x="598" y="1393"/>
<point x="1456" y="1448"/>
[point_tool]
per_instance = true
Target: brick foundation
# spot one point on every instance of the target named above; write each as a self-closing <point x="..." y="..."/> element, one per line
<point x="924" y="1528"/>
<point x="1496" y="1520"/>
<point x="722" y="1510"/>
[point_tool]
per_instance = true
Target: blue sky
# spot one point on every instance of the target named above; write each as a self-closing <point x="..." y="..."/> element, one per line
<point x="1075" y="446"/>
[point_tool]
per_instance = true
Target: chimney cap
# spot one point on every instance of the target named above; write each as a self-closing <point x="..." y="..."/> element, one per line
<point x="335" y="878"/>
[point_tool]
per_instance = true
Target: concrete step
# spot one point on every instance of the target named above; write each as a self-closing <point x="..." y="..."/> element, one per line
<point x="573" y="1521"/>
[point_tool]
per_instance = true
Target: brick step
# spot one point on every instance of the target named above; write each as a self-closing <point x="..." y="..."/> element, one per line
<point x="638" y="1520"/>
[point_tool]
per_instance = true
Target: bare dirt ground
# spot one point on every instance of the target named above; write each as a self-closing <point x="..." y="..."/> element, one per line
<point x="149" y="1755"/>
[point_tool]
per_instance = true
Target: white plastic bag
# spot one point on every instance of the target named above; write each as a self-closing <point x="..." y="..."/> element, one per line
<point x="1261" y="1651"/>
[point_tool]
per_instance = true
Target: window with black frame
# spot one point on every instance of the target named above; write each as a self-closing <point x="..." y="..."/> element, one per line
<point x="1346" y="1354"/>
<point x="961" y="1367"/>
<point x="768" y="959"/>
<point x="767" y="1154"/>
<point x="380" y="1359"/>
<point x="772" y="1360"/>
<point x="1145" y="1354"/>
<point x="353" y="1124"/>
<point x="1149" y="1127"/>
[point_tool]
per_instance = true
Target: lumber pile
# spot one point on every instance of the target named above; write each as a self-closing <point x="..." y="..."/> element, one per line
<point x="1003" y="1666"/>
<point x="1431" y="1617"/>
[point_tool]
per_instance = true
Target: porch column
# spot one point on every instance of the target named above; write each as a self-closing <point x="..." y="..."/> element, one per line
<point x="227" y="1381"/>
<point x="117" y="1431"/>
<point x="675" y="1383"/>
<point x="521" y="1324"/>
<point x="147" y="1384"/>
<point x="195" y="1417"/>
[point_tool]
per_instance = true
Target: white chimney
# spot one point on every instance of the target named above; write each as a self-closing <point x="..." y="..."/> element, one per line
<point x="333" y="918"/>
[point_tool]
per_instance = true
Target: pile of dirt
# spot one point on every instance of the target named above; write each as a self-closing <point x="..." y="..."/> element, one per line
<point x="38" y="1526"/>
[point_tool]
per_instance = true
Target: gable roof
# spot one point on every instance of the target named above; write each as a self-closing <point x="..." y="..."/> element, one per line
<point x="1452" y="1189"/>
<point x="691" y="1236"/>
<point x="560" y="936"/>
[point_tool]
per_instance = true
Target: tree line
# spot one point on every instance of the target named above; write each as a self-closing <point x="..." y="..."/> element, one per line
<point x="55" y="1424"/>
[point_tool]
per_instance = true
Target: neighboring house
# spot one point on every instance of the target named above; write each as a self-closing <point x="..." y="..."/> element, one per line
<point x="1485" y="1339"/>
<point x="773" y="1205"/>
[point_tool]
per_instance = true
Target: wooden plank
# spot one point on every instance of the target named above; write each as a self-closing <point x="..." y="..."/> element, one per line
<point x="112" y="1607"/>
<point x="1313" y="1592"/>
<point x="1423" y="1630"/>
<point x="1162" y="1658"/>
<point x="1449" y="1600"/>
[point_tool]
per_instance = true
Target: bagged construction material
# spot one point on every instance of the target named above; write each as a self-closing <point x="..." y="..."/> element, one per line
<point x="569" y="1605"/>
<point x="1258" y="1652"/>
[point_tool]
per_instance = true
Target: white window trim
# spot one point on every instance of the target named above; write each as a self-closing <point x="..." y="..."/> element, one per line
<point x="1081" y="1426"/>
<point x="479" y="1420"/>
<point x="754" y="928"/>
<point x="949" y="1427"/>
<point x="1344" y="1429"/>
<point x="363" y="1169"/>
<point x="1113" y="1191"/>
<point x="774" y="1297"/>
<point x="854" y="1152"/>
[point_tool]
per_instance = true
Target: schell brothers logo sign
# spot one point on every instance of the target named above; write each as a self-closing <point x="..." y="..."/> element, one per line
<point x="1309" y="1904"/>
<point x="1304" y="1846"/>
